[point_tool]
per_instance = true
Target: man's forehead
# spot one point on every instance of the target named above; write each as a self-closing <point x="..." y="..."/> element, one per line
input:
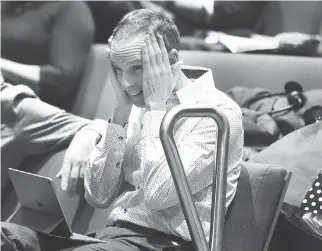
<point x="126" y="51"/>
<point x="128" y="43"/>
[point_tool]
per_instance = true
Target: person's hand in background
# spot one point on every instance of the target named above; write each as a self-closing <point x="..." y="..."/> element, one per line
<point x="76" y="159"/>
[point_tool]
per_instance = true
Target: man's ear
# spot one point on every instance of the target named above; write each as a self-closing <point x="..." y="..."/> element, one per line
<point x="173" y="56"/>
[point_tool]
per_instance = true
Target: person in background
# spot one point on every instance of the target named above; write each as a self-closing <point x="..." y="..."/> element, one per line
<point x="148" y="81"/>
<point x="45" y="46"/>
<point x="31" y="127"/>
<point x="217" y="15"/>
<point x="106" y="14"/>
<point x="296" y="36"/>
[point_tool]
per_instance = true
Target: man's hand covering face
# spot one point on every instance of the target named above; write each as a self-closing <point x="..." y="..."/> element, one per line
<point x="158" y="79"/>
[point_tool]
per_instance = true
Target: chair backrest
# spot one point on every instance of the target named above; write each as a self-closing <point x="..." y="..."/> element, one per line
<point x="257" y="71"/>
<point x="92" y="84"/>
<point x="252" y="216"/>
<point x="96" y="98"/>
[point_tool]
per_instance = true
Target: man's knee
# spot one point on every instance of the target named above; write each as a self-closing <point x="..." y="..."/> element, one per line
<point x="15" y="237"/>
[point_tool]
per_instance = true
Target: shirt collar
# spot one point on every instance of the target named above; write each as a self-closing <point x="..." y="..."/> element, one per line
<point x="197" y="81"/>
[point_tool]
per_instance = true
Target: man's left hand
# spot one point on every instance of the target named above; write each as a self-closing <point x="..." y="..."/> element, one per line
<point x="158" y="79"/>
<point x="76" y="159"/>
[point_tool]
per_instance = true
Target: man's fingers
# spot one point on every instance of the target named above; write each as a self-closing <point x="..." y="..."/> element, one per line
<point x="82" y="170"/>
<point x="156" y="48"/>
<point x="65" y="171"/>
<point x="109" y="42"/>
<point x="164" y="51"/>
<point x="109" y="46"/>
<point x="111" y="71"/>
<point x="176" y="70"/>
<point x="73" y="178"/>
<point x="151" y="52"/>
<point x="145" y="60"/>
<point x="176" y="66"/>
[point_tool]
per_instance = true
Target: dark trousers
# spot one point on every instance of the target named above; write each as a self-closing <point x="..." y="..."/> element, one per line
<point x="122" y="236"/>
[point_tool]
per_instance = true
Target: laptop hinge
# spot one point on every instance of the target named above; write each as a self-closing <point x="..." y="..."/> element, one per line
<point x="61" y="229"/>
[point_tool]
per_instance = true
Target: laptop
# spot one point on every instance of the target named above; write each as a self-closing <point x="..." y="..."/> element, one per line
<point x="40" y="208"/>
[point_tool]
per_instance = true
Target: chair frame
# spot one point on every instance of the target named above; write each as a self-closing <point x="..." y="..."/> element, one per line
<point x="277" y="211"/>
<point x="216" y="238"/>
<point x="219" y="174"/>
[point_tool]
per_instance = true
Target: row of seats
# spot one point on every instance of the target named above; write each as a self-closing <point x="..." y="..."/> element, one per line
<point x="96" y="99"/>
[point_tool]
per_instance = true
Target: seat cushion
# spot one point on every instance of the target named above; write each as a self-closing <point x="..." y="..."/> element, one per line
<point x="255" y="208"/>
<point x="94" y="79"/>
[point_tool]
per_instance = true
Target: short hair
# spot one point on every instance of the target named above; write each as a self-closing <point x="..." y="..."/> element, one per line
<point x="144" y="21"/>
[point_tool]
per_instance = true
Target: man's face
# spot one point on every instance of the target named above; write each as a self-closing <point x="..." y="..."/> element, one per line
<point x="127" y="62"/>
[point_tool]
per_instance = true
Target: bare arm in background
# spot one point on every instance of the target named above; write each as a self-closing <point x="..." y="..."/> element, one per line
<point x="37" y="127"/>
<point x="71" y="38"/>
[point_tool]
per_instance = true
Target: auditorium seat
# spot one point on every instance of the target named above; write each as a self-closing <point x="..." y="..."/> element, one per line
<point x="253" y="214"/>
<point x="92" y="84"/>
<point x="251" y="218"/>
<point x="96" y="97"/>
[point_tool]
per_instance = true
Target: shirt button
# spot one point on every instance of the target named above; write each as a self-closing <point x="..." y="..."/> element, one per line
<point x="125" y="210"/>
<point x="138" y="187"/>
<point x="118" y="164"/>
<point x="121" y="138"/>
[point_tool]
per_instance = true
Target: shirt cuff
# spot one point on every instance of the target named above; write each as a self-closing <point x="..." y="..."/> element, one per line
<point x="114" y="137"/>
<point x="151" y="123"/>
<point x="97" y="125"/>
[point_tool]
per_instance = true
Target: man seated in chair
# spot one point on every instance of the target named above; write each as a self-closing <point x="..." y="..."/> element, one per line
<point x="149" y="80"/>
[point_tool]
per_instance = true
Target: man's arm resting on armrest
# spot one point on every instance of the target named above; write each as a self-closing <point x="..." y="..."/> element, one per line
<point x="103" y="172"/>
<point x="77" y="154"/>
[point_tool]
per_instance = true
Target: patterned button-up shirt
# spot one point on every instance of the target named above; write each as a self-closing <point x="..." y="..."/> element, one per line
<point x="136" y="155"/>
